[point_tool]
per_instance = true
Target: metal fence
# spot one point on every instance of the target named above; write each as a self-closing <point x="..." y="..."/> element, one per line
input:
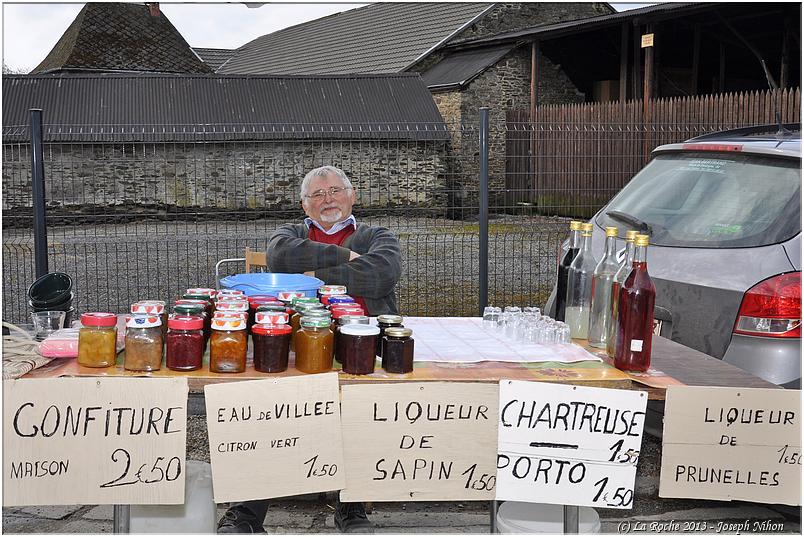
<point x="134" y="213"/>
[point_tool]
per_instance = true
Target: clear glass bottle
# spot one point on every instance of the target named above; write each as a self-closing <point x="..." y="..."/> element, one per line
<point x="619" y="278"/>
<point x="563" y="268"/>
<point x="579" y="286"/>
<point x="600" y="314"/>
<point x="635" y="312"/>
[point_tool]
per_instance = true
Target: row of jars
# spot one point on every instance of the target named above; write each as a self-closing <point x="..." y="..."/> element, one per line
<point x="314" y="330"/>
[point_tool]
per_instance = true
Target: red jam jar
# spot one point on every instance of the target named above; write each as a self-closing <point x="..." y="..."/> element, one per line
<point x="185" y="343"/>
<point x="358" y="343"/>
<point x="271" y="347"/>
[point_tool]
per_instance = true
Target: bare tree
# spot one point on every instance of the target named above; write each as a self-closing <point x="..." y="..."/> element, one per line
<point x="13" y="71"/>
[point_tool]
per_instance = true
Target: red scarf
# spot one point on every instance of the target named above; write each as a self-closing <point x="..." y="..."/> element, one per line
<point x="338" y="238"/>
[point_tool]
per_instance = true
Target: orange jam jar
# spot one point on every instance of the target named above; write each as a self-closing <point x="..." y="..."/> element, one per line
<point x="228" y="344"/>
<point x="314" y="346"/>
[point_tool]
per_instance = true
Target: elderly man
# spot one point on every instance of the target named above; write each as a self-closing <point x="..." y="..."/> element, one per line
<point x="332" y="246"/>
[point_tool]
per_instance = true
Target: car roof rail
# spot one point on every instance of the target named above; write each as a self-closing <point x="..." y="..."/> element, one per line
<point x="773" y="128"/>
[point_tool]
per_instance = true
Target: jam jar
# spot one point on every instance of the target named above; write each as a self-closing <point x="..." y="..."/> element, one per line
<point x="398" y="349"/>
<point x="97" y="340"/>
<point x="195" y="310"/>
<point x="314" y="346"/>
<point x="144" y="343"/>
<point x="386" y="321"/>
<point x="208" y="291"/>
<point x="342" y="318"/>
<point x="357" y="345"/>
<point x="271" y="317"/>
<point x="329" y="290"/>
<point x="331" y="300"/>
<point x="223" y="293"/>
<point x="209" y="304"/>
<point x="286" y="297"/>
<point x="152" y="307"/>
<point x="271" y="347"/>
<point x="185" y="343"/>
<point x="228" y="344"/>
<point x="232" y="307"/>
<point x="295" y="320"/>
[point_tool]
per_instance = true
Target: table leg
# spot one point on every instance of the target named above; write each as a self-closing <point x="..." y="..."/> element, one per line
<point x="122" y="519"/>
<point x="571" y="519"/>
<point x="493" y="517"/>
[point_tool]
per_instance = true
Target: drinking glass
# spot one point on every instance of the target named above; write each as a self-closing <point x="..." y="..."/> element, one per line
<point x="47" y="322"/>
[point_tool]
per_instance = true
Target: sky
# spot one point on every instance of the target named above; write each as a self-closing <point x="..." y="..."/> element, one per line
<point x="30" y="30"/>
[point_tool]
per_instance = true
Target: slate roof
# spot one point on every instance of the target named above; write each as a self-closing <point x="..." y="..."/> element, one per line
<point x="457" y="69"/>
<point x="378" y="38"/>
<point x="214" y="57"/>
<point x="151" y="107"/>
<point x="121" y="37"/>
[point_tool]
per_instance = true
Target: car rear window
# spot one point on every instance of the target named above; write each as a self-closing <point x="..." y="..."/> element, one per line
<point x="711" y="200"/>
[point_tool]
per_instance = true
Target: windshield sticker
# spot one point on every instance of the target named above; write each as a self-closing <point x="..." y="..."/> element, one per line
<point x="725" y="229"/>
<point x="707" y="165"/>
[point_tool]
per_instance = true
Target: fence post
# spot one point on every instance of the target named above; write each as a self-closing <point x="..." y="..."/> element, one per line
<point x="484" y="208"/>
<point x="38" y="180"/>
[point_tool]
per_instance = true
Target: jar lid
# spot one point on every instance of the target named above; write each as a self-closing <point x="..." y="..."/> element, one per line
<point x="341" y="299"/>
<point x="202" y="303"/>
<point x="151" y="307"/>
<point x="287" y="296"/>
<point x="271" y="317"/>
<point x="305" y="300"/>
<point x="332" y="290"/>
<point x="255" y="298"/>
<point x="353" y="319"/>
<point x="319" y="314"/>
<point x="389" y="319"/>
<point x="338" y="313"/>
<point x="99" y="319"/>
<point x="231" y="305"/>
<point x="143" y="321"/>
<point x="315" y="322"/>
<point x="397" y="331"/>
<point x="196" y="296"/>
<point x="188" y="308"/>
<point x="310" y="307"/>
<point x="186" y="323"/>
<point x="228" y="323"/>
<point x="238" y="314"/>
<point x="271" y="329"/>
<point x="230" y="292"/>
<point x="359" y="330"/>
<point x="202" y="291"/>
<point x="271" y="307"/>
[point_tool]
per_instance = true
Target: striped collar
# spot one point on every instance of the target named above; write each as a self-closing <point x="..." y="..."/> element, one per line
<point x="334" y="229"/>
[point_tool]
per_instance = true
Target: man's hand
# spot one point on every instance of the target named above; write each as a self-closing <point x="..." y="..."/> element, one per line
<point x="310" y="273"/>
<point x="353" y="255"/>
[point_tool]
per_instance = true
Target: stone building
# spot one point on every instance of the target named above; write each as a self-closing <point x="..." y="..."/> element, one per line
<point x="178" y="143"/>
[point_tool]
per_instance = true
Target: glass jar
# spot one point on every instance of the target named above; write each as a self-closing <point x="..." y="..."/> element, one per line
<point x="195" y="310"/>
<point x="286" y="297"/>
<point x="295" y="320"/>
<point x="398" y="349"/>
<point x="229" y="293"/>
<point x="358" y="343"/>
<point x="209" y="304"/>
<point x="314" y="346"/>
<point x="329" y="290"/>
<point x="383" y="322"/>
<point x="271" y="347"/>
<point x="152" y="307"/>
<point x="341" y="319"/>
<point x="185" y="343"/>
<point x="273" y="307"/>
<point x="144" y="343"/>
<point x="209" y="292"/>
<point x="339" y="299"/>
<point x="228" y="344"/>
<point x="97" y="340"/>
<point x="232" y="306"/>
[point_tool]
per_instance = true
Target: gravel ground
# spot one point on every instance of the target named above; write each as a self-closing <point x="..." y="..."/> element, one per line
<point x="113" y="265"/>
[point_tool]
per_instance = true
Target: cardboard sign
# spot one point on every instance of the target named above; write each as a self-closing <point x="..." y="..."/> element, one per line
<point x="419" y="441"/>
<point x="647" y="40"/>
<point x="274" y="437"/>
<point x="732" y="444"/>
<point x="568" y="445"/>
<point x="73" y="441"/>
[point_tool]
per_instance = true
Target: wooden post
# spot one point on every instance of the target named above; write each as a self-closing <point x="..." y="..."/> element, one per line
<point x="534" y="78"/>
<point x="696" y="58"/>
<point x="636" y="78"/>
<point x="647" y="85"/>
<point x="785" y="68"/>
<point x="623" y="63"/>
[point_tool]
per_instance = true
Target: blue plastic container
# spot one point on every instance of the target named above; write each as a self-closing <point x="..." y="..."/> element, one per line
<point x="270" y="283"/>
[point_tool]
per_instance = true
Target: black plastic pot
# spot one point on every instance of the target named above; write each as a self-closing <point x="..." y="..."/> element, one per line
<point x="63" y="304"/>
<point x="53" y="288"/>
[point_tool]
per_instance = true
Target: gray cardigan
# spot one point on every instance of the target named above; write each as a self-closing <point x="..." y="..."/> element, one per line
<point x="372" y="276"/>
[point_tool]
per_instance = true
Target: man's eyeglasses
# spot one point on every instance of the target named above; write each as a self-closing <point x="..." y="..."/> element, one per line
<point x="332" y="191"/>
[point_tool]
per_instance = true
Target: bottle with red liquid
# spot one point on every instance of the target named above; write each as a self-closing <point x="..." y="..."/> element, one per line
<point x="635" y="314"/>
<point x="563" y="268"/>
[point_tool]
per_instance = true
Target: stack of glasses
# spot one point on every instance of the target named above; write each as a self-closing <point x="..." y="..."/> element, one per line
<point x="526" y="325"/>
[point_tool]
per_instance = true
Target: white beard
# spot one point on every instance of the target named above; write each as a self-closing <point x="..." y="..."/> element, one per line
<point x="332" y="217"/>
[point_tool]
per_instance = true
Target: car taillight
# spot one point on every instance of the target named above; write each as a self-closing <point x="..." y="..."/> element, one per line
<point x="772" y="308"/>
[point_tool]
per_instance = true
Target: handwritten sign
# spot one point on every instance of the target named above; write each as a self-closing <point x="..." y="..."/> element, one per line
<point x="568" y="445"/>
<point x="647" y="40"/>
<point x="732" y="444"/>
<point x="274" y="437"/>
<point x="94" y="441"/>
<point x="419" y="441"/>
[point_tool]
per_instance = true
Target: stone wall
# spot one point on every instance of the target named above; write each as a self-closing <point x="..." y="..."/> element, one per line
<point x="225" y="176"/>
<point x="512" y="16"/>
